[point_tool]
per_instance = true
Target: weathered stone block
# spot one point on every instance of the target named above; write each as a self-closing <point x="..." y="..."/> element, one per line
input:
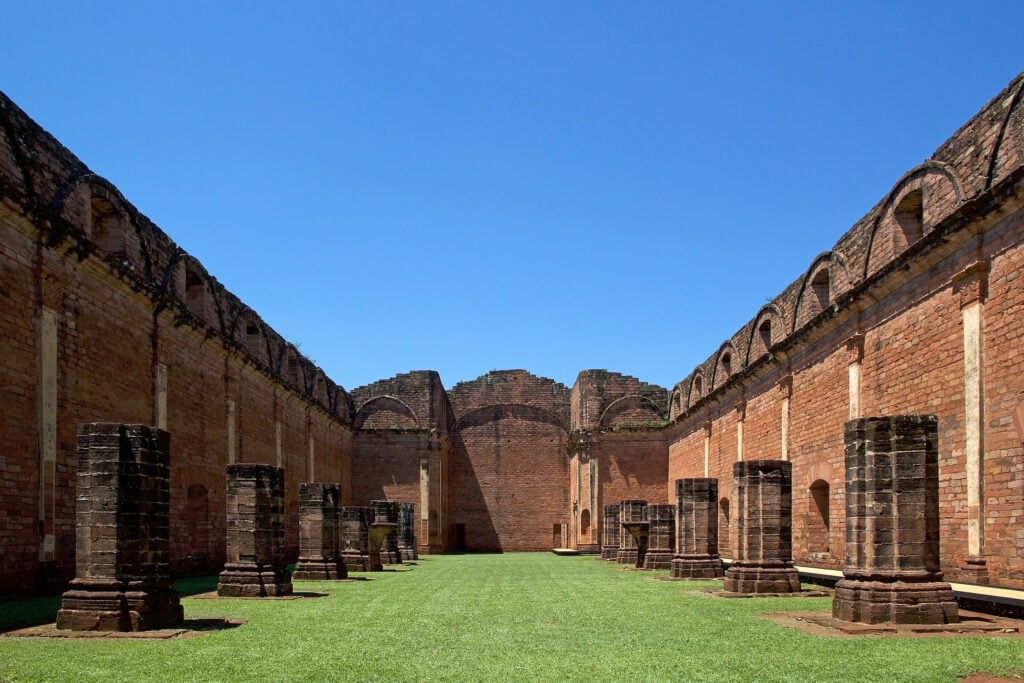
<point x="892" y="542"/>
<point x="763" y="529"/>
<point x="123" y="580"/>
<point x="696" y="554"/>
<point x="319" y="518"/>
<point x="255" y="564"/>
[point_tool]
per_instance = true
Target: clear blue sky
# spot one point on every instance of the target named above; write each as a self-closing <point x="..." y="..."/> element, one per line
<point x="474" y="186"/>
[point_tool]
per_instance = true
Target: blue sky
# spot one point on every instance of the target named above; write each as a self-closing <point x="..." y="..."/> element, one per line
<point x="474" y="186"/>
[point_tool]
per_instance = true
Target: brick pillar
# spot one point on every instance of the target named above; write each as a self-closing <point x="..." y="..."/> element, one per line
<point x="610" y="532"/>
<point x="255" y="564"/>
<point x="354" y="530"/>
<point x="661" y="539"/>
<point x="123" y="576"/>
<point x="696" y="554"/>
<point x="387" y="511"/>
<point x="892" y="524"/>
<point x="319" y="552"/>
<point x="763" y="528"/>
<point x="629" y="511"/>
<point x="407" y="531"/>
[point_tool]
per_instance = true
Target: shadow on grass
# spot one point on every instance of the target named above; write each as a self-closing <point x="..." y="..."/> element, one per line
<point x="17" y="614"/>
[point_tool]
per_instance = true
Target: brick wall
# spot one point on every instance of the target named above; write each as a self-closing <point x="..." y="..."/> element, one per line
<point x="895" y="285"/>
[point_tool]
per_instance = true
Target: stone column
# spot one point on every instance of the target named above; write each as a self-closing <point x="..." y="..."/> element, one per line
<point x="407" y="531"/>
<point x="610" y="532"/>
<point x="892" y="524"/>
<point x="660" y="536"/>
<point x="696" y="554"/>
<point x="255" y="564"/>
<point x="319" y="556"/>
<point x="123" y="576"/>
<point x="763" y="528"/>
<point x="629" y="511"/>
<point x="387" y="511"/>
<point x="354" y="532"/>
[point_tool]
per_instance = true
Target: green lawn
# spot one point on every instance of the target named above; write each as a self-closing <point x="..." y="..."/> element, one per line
<point x="529" y="616"/>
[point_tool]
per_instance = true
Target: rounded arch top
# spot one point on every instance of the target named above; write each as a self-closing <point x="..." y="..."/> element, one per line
<point x="821" y="283"/>
<point x="632" y="410"/>
<point x="385" y="412"/>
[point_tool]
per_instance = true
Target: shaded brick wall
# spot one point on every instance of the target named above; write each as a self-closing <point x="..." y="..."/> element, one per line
<point x="509" y="466"/>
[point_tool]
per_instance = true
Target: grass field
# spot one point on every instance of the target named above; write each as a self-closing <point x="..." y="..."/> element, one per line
<point x="532" y="616"/>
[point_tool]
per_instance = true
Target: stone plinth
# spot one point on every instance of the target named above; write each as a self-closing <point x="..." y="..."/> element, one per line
<point x="123" y="577"/>
<point x="763" y="529"/>
<point x="629" y="511"/>
<point x="386" y="511"/>
<point x="319" y="516"/>
<point x="255" y="564"/>
<point x="892" y="525"/>
<point x="354" y="532"/>
<point x="610" y="530"/>
<point x="660" y="536"/>
<point x="696" y="554"/>
<point x="407" y="532"/>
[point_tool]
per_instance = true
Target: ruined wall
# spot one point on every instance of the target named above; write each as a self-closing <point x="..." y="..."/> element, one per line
<point x="916" y="309"/>
<point x="508" y="472"/>
<point x="620" y="449"/>
<point x="106" y="319"/>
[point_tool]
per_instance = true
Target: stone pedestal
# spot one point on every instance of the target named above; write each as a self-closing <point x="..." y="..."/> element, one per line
<point x="630" y="511"/>
<point x="123" y="577"/>
<point x="407" y="532"/>
<point x="255" y="564"/>
<point x="763" y="529"/>
<point x="319" y="557"/>
<point x="892" y="525"/>
<point x="381" y="534"/>
<point x="386" y="511"/>
<point x="660" y="536"/>
<point x="355" y="544"/>
<point x="696" y="554"/>
<point x="610" y="530"/>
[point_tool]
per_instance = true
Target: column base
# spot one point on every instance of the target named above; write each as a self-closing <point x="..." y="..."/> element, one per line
<point x="658" y="558"/>
<point x="610" y="552"/>
<point x="118" y="606"/>
<point x="253" y="581"/>
<point x="872" y="599"/>
<point x="408" y="554"/>
<point x="706" y="567"/>
<point x="319" y="569"/>
<point x="974" y="570"/>
<point x="356" y="561"/>
<point x="626" y="556"/>
<point x="762" y="577"/>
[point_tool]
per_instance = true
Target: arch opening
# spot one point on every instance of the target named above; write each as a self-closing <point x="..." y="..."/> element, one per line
<point x="818" y="518"/>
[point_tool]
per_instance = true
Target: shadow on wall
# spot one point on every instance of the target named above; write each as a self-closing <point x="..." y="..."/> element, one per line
<point x="472" y="529"/>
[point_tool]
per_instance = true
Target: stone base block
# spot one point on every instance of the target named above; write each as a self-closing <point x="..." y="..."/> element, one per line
<point x="409" y="555"/>
<point x="776" y="577"/>
<point x="610" y="553"/>
<point x="658" y="559"/>
<point x="895" y="602"/>
<point x="356" y="562"/>
<point x="319" y="569"/>
<point x="697" y="568"/>
<point x="118" y="606"/>
<point x="626" y="556"/>
<point x="250" y="581"/>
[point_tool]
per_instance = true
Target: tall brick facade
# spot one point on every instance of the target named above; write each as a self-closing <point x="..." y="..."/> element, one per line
<point x="916" y="309"/>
